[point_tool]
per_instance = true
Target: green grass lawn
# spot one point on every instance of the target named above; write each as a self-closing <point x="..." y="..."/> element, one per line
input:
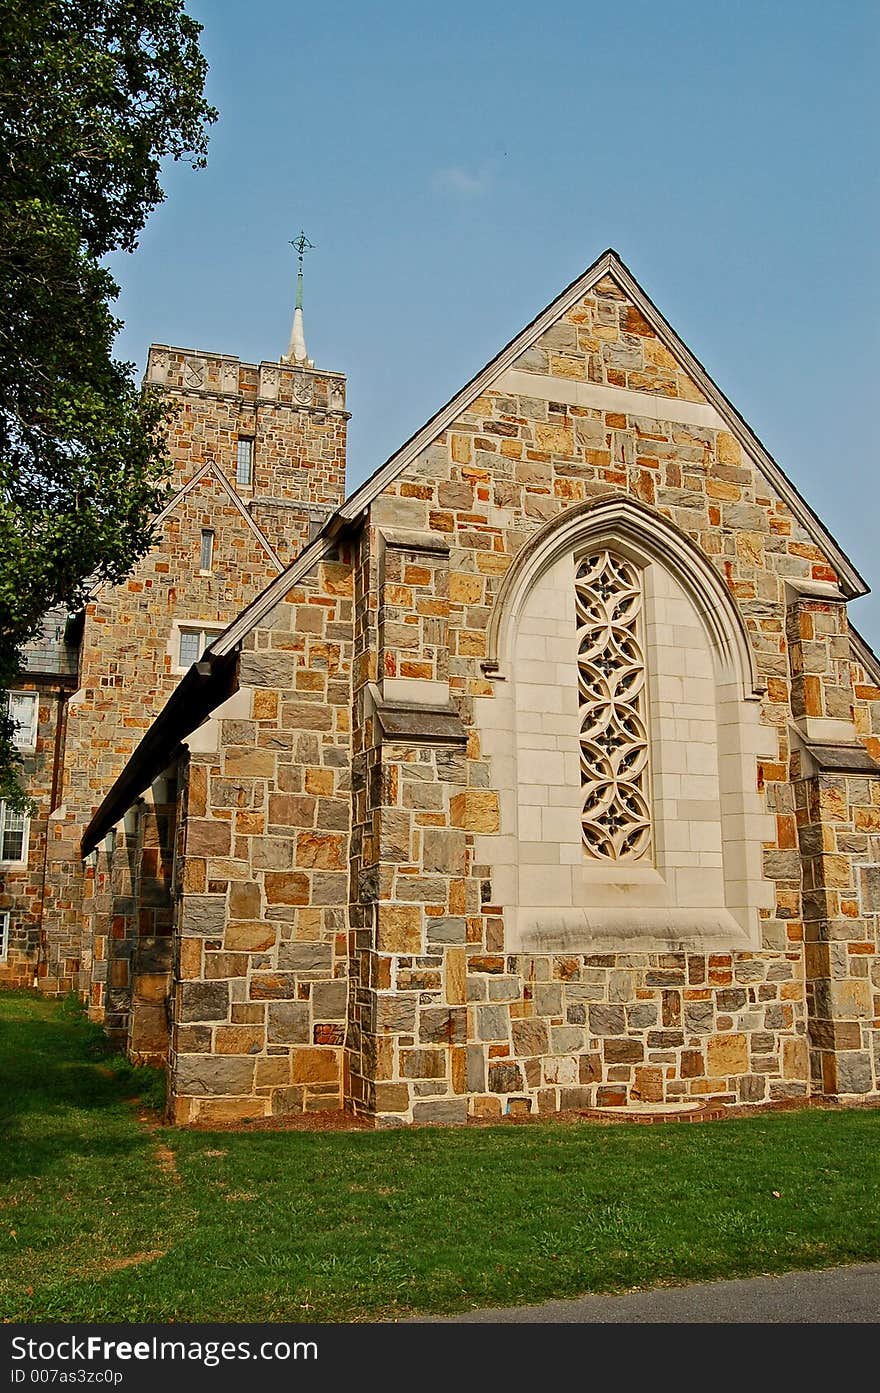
<point x="105" y="1217"/>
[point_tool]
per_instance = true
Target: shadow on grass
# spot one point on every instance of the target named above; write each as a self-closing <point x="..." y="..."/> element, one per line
<point x="56" y="1071"/>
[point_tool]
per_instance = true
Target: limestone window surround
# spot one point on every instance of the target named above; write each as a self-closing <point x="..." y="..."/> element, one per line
<point x="702" y="884"/>
<point x="14" y="836"/>
<point x="188" y="640"/>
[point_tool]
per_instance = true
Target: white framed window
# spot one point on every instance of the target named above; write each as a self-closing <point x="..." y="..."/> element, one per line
<point x="244" y="462"/>
<point x="190" y="642"/>
<point x="13" y="836"/>
<point x="4" y="934"/>
<point x="24" y="709"/>
<point x="206" y="558"/>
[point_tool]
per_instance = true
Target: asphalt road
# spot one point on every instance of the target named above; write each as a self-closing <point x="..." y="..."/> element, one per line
<point x="842" y="1295"/>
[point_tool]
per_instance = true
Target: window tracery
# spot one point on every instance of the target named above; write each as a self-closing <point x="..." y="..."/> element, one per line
<point x="616" y="814"/>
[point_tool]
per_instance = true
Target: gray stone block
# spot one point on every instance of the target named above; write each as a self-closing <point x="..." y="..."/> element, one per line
<point x="396" y="1013"/>
<point x="305" y="957"/>
<point x="267" y="669"/>
<point x="854" y="1073"/>
<point x="288" y="1023"/>
<point x="641" y="1016"/>
<point x="204" y="1001"/>
<point x="530" y="1037"/>
<point x="198" y="1074"/>
<point x="505" y="1078"/>
<point x="445" y="1026"/>
<point x="699" y="1016"/>
<point x="493" y="1022"/>
<point x="447" y="929"/>
<point x="548" y="998"/>
<point x="566" y="1039"/>
<point x="476" y="1069"/>
<point x="607" y="1020"/>
<point x="441" y="1110"/>
<point x="443" y="851"/>
<point x="330" y="1000"/>
<point x="203" y="915"/>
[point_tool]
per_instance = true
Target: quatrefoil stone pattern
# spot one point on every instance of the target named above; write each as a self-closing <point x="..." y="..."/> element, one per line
<point x="616" y="815"/>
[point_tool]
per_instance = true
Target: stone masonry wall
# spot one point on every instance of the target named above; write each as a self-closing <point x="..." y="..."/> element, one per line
<point x="262" y="934"/>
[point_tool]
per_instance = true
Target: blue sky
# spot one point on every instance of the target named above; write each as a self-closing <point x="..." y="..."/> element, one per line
<point x="456" y="165"/>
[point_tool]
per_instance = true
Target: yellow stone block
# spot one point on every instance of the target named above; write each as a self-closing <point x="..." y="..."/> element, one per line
<point x="492" y="563"/>
<point x="326" y="851"/>
<point x="556" y="440"/>
<point x="319" y="782"/>
<point x="456" y="976"/>
<point x="795" y="1059"/>
<point x="728" y="448"/>
<point x="476" y="810"/>
<point x="726" y="1055"/>
<point x="239" y="1039"/>
<point x="459" y="1070"/>
<point x="228" y="1109"/>
<point x="273" y="1071"/>
<point x="465" y="588"/>
<point x="720" y="488"/>
<point x="312" y="1065"/>
<point x="265" y="705"/>
<point x="399" y="929"/>
<point x="563" y="366"/>
<point x="658" y="354"/>
<point x="249" y="935"/>
<point x="461" y="449"/>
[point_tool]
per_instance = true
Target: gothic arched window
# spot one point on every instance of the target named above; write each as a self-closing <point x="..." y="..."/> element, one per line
<point x="623" y="734"/>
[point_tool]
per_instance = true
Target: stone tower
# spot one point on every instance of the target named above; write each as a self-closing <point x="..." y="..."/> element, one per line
<point x="258" y="454"/>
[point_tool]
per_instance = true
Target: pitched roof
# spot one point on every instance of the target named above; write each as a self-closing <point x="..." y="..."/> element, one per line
<point x="182" y="715"/>
<point x="610" y="264"/>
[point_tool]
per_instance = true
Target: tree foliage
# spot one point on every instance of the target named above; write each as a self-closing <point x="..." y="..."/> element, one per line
<point x="94" y="95"/>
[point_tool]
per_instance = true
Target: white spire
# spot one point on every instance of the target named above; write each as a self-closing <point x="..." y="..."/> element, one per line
<point x="296" y="350"/>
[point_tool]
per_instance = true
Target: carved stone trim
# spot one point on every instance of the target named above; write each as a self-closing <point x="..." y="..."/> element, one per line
<point x="195" y="372"/>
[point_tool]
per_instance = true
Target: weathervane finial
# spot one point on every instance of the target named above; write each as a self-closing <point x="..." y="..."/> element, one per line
<point x="301" y="245"/>
<point x="296" y="352"/>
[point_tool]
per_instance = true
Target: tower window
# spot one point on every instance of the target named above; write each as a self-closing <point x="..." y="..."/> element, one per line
<point x="206" y="562"/>
<point x="244" y="466"/>
<point x="23" y="708"/>
<point x="13" y="835"/>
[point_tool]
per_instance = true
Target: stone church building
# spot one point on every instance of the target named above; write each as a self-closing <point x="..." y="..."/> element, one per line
<point x="540" y="773"/>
